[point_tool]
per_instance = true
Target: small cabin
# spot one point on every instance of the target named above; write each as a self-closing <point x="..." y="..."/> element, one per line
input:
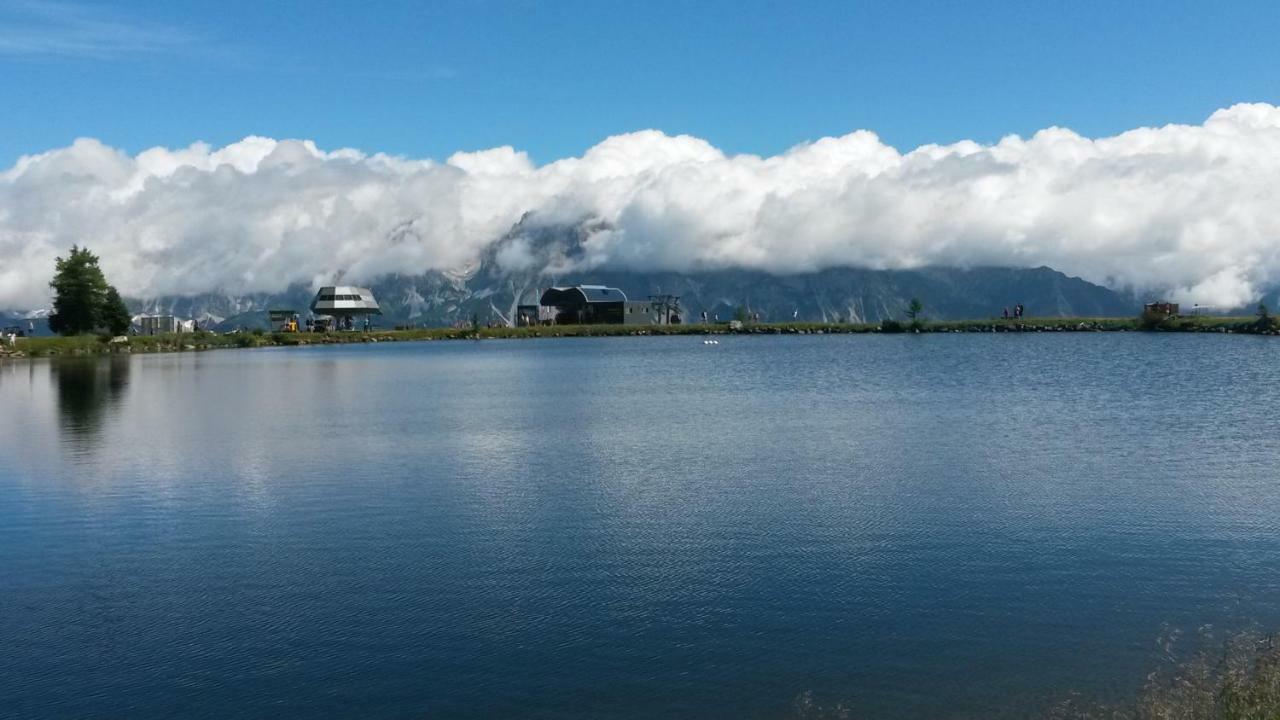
<point x="1160" y="309"/>
<point x="157" y="324"/>
<point x="283" y="320"/>
<point x="527" y="315"/>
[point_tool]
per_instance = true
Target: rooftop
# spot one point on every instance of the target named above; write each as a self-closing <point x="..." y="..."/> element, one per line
<point x="345" y="299"/>
<point x="583" y="293"/>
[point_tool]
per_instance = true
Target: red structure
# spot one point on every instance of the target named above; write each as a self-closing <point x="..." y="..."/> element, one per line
<point x="1160" y="309"/>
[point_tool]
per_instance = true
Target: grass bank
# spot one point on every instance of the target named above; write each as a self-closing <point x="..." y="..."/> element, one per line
<point x="190" y="342"/>
<point x="1236" y="678"/>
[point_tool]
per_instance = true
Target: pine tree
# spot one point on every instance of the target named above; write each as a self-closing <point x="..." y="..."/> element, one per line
<point x="115" y="314"/>
<point x="915" y="311"/>
<point x="1265" y="322"/>
<point x="79" y="293"/>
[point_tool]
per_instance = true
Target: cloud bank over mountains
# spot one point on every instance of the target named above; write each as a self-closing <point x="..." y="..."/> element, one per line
<point x="1189" y="211"/>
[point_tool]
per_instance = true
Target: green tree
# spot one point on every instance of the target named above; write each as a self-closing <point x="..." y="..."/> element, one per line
<point x="1266" y="322"/>
<point x="115" y="314"/>
<point x="915" y="311"/>
<point x="79" y="293"/>
<point x="890" y="326"/>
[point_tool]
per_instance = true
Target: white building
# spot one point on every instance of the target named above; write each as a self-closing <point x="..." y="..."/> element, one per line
<point x="157" y="324"/>
<point x="344" y="303"/>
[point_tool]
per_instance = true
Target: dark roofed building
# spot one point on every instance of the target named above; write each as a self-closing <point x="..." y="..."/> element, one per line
<point x="599" y="305"/>
<point x="585" y="305"/>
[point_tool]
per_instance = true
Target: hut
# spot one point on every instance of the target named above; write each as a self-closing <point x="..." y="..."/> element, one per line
<point x="283" y="320"/>
<point x="528" y="315"/>
<point x="1160" y="309"/>
<point x="157" y="324"/>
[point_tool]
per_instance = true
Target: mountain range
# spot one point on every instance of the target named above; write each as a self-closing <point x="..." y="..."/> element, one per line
<point x="516" y="268"/>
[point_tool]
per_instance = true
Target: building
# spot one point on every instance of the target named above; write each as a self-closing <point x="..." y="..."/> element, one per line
<point x="584" y="305"/>
<point x="345" y="303"/>
<point x="1160" y="309"/>
<point x="597" y="305"/>
<point x="528" y="315"/>
<point x="283" y="320"/>
<point x="157" y="324"/>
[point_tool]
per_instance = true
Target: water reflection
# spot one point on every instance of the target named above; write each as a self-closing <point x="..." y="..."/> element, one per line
<point x="913" y="526"/>
<point x="87" y="389"/>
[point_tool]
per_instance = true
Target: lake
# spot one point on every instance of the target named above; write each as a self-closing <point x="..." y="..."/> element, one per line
<point x="933" y="526"/>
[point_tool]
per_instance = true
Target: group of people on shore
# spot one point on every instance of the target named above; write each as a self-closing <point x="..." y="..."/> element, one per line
<point x="325" y="324"/>
<point x="1018" y="311"/>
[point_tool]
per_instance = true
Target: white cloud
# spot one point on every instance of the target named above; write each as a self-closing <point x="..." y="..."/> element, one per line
<point x="1186" y="210"/>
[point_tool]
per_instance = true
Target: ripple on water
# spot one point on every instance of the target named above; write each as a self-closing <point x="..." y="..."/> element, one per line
<point x="936" y="526"/>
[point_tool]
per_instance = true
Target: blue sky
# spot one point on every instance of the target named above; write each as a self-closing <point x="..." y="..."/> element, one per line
<point x="424" y="79"/>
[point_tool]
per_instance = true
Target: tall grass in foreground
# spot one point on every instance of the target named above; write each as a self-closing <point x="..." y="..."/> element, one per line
<point x="1233" y="679"/>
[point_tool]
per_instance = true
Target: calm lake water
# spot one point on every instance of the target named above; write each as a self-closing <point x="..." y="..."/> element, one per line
<point x="913" y="526"/>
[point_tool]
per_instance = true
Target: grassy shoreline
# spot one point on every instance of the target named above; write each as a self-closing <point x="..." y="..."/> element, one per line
<point x="1236" y="677"/>
<point x="192" y="342"/>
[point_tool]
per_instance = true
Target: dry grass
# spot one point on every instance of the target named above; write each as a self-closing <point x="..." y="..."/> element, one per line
<point x="1237" y="678"/>
<point x="1233" y="679"/>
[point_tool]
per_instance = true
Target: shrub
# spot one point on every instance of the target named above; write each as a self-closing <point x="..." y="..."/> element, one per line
<point x="1155" y="321"/>
<point x="1266" y="322"/>
<point x="1234" y="679"/>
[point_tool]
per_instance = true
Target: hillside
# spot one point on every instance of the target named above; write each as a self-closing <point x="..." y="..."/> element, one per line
<point x="529" y="258"/>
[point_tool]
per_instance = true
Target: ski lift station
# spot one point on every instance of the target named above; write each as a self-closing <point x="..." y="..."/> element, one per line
<point x="345" y="303"/>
